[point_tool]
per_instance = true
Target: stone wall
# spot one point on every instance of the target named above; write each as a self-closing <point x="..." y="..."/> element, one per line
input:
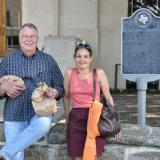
<point x="137" y="142"/>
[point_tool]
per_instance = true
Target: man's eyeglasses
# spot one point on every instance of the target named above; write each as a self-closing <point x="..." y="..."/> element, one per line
<point x="29" y="37"/>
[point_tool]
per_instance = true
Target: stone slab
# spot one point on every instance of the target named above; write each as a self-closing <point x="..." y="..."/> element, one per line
<point x="62" y="49"/>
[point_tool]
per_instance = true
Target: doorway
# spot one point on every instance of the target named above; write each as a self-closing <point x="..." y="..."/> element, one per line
<point x="2" y="27"/>
<point x="10" y="23"/>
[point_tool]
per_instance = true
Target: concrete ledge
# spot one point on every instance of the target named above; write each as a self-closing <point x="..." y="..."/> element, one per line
<point x="112" y="152"/>
<point x="136" y="143"/>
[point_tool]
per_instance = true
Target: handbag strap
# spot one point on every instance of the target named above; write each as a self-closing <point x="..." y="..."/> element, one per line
<point x="94" y="84"/>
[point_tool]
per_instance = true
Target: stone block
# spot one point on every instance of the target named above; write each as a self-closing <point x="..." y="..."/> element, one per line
<point x="56" y="134"/>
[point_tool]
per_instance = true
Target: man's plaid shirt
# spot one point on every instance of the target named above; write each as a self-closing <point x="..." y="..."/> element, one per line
<point x="41" y="67"/>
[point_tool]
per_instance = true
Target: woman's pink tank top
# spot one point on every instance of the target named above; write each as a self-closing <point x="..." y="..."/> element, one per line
<point x="81" y="91"/>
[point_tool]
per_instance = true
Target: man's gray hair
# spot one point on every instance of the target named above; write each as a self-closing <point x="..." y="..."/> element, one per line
<point x="30" y="25"/>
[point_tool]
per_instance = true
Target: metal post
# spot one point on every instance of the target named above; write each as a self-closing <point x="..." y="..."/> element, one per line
<point x="141" y="107"/>
<point x="141" y="87"/>
<point x="116" y="76"/>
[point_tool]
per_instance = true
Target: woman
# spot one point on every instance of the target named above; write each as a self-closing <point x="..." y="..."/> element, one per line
<point x="78" y="84"/>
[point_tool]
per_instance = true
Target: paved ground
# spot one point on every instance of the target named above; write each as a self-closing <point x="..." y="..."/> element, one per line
<point x="127" y="107"/>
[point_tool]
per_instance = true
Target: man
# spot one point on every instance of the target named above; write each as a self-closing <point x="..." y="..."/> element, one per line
<point x="22" y="127"/>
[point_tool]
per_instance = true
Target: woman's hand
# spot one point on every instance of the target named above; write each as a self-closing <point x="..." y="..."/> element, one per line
<point x="117" y="136"/>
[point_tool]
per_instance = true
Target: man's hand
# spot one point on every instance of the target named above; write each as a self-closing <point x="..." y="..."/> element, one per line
<point x="51" y="93"/>
<point x="12" y="88"/>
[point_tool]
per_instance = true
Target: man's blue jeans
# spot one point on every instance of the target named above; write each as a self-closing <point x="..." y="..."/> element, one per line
<point x="20" y="135"/>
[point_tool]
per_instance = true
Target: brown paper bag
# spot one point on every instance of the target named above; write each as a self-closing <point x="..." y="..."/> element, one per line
<point x="43" y="106"/>
<point x="17" y="80"/>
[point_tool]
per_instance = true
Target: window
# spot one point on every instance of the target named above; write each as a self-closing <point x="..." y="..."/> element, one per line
<point x="13" y="23"/>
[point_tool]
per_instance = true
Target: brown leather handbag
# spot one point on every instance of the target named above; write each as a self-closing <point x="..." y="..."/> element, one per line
<point x="109" y="123"/>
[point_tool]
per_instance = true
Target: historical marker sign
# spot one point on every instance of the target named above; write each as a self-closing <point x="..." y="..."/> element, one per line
<point x="141" y="53"/>
<point x="141" y="43"/>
